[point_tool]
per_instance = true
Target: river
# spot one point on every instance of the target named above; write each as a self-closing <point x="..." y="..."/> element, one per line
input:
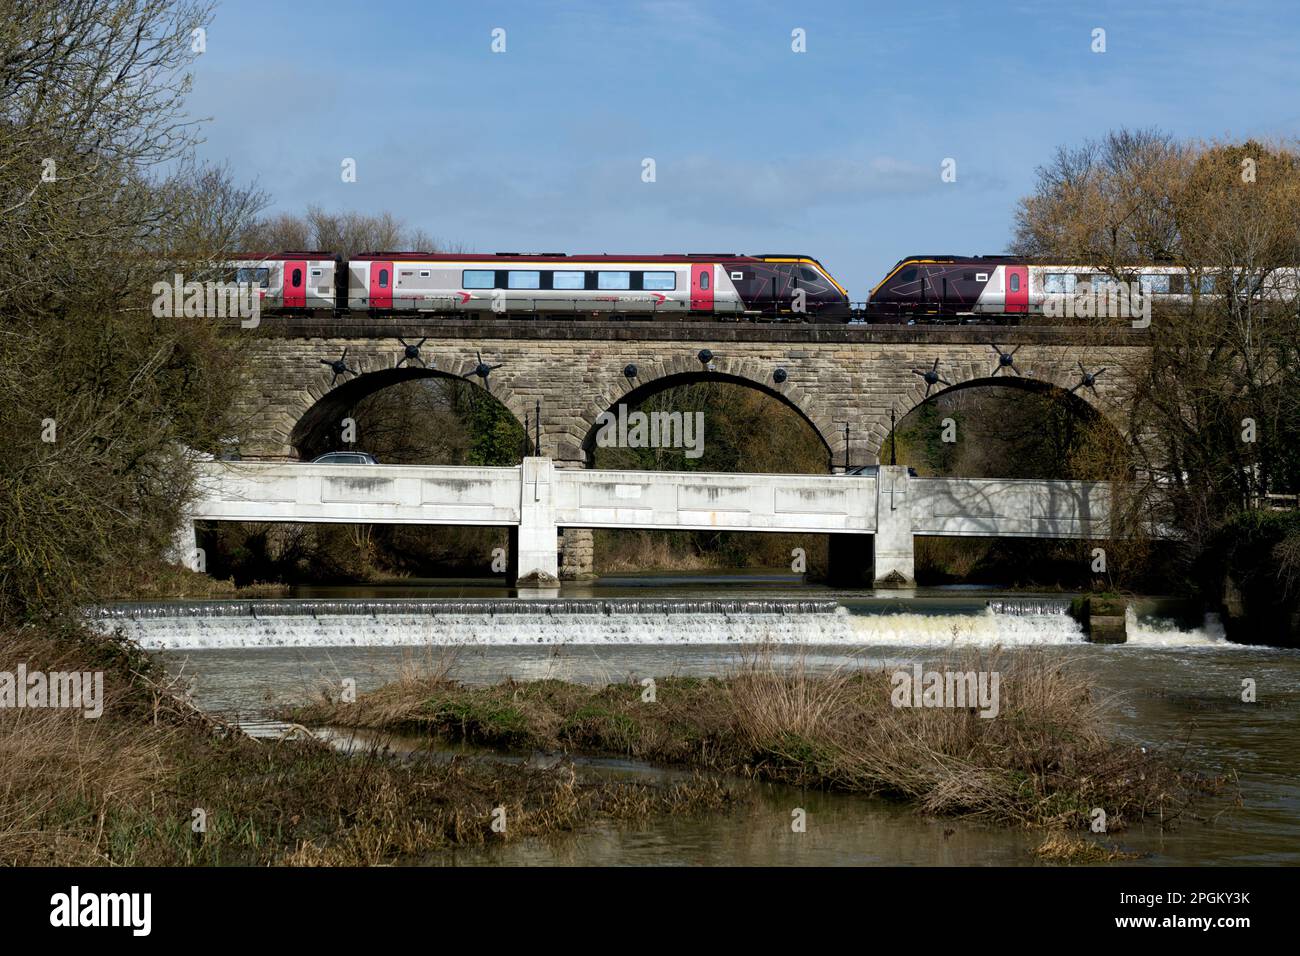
<point x="1176" y="684"/>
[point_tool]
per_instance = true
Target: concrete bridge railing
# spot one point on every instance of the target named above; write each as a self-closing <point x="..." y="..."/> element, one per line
<point x="873" y="520"/>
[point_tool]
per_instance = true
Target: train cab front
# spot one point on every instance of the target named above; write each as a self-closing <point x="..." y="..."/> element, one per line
<point x="897" y="296"/>
<point x="799" y="288"/>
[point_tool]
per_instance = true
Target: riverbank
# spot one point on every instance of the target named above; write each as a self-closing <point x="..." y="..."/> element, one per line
<point x="1044" y="760"/>
<point x="153" y="781"/>
<point x="163" y="581"/>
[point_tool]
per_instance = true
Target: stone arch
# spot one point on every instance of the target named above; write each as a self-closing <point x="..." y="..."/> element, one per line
<point x="1093" y="410"/>
<point x="650" y="380"/>
<point x="1035" y="374"/>
<point x="320" y="402"/>
<point x="916" y="396"/>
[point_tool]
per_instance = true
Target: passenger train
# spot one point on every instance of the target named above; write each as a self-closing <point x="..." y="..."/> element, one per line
<point x="551" y="285"/>
<point x="934" y="288"/>
<point x="918" y="289"/>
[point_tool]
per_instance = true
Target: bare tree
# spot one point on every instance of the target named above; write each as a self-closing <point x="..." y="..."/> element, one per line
<point x="99" y="198"/>
<point x="348" y="233"/>
<point x="1214" y="409"/>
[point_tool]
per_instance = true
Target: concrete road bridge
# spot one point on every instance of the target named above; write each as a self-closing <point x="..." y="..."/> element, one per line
<point x="872" y="520"/>
<point x="844" y="380"/>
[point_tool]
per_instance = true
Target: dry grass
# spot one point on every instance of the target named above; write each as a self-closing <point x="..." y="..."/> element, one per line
<point x="122" y="789"/>
<point x="643" y="551"/>
<point x="1044" y="760"/>
<point x="1067" y="848"/>
<point x="159" y="580"/>
<point x="942" y="558"/>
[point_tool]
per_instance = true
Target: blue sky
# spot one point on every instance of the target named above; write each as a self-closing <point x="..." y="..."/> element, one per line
<point x="835" y="152"/>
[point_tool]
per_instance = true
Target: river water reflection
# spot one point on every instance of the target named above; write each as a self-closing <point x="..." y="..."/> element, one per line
<point x="1171" y="686"/>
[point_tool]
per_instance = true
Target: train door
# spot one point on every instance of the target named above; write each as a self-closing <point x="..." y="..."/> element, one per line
<point x="381" y="285"/>
<point x="1017" y="295"/>
<point x="295" y="284"/>
<point x="701" y="287"/>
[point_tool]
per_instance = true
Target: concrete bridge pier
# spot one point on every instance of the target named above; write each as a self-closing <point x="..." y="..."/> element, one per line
<point x="887" y="558"/>
<point x="534" y="555"/>
<point x="184" y="548"/>
<point x="895" y="554"/>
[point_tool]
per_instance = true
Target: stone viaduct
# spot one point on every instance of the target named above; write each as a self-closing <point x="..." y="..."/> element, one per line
<point x="844" y="380"/>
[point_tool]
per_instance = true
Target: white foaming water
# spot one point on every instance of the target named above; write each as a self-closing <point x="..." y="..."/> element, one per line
<point x="1160" y="632"/>
<point x="223" y="625"/>
<point x="396" y="630"/>
<point x="986" y="628"/>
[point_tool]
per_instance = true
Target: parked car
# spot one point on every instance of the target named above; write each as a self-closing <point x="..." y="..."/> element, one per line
<point x="346" y="458"/>
<point x="873" y="471"/>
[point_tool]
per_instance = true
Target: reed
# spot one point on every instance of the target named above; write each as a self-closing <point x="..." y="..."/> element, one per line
<point x="128" y="787"/>
<point x="1046" y="759"/>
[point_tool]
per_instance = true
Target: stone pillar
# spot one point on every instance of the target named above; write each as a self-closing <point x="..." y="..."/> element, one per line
<point x="533" y="548"/>
<point x="895" y="556"/>
<point x="577" y="546"/>
<point x="577" y="554"/>
<point x="1104" y="619"/>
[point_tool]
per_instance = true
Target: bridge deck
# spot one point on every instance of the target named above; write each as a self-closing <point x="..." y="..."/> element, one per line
<point x="415" y="326"/>
<point x="536" y="499"/>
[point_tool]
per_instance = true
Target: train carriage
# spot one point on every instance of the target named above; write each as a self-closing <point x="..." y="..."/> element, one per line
<point x="936" y="288"/>
<point x="291" y="281"/>
<point x="555" y="285"/>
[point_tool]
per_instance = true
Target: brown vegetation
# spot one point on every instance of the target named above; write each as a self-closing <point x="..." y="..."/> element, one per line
<point x="100" y="198"/>
<point x="1044" y="760"/>
<point x="124" y="789"/>
<point x="1071" y="849"/>
<point x="344" y="233"/>
<point x="1213" y="413"/>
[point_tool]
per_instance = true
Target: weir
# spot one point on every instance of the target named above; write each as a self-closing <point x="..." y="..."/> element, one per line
<point x="1024" y="607"/>
<point x="414" y="607"/>
<point x="512" y="622"/>
<point x="873" y="519"/>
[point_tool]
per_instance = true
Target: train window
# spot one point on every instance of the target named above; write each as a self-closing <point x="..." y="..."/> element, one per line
<point x="659" y="281"/>
<point x="523" y="279"/>
<point x="1015" y="282"/>
<point x="1155" y="283"/>
<point x="968" y="277"/>
<point x="704" y="280"/>
<point x="261" y="277"/>
<point x="568" y="280"/>
<point x="614" y="280"/>
<point x="383" y="279"/>
<point x="297" y="278"/>
<point x="808" y="275"/>
<point x="909" y="275"/>
<point x="478" y="279"/>
<point x="1207" y="285"/>
<point x="1059" y="283"/>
